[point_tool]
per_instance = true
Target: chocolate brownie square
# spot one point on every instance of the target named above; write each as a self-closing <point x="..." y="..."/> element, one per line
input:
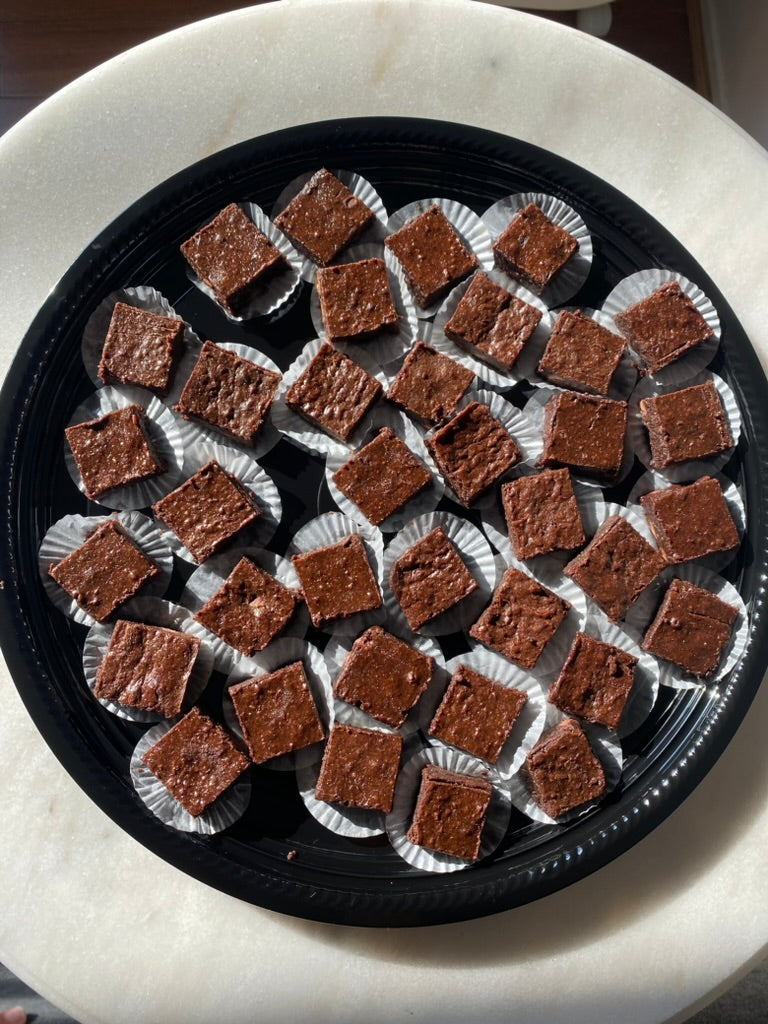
<point x="384" y="676"/>
<point x="432" y="255"/>
<point x="360" y="768"/>
<point x="140" y="348"/>
<point x="207" y="510"/>
<point x="581" y="354"/>
<point x="277" y="713"/>
<point x="663" y="327"/>
<point x="430" y="578"/>
<point x="533" y="249"/>
<point x="356" y="301"/>
<point x="615" y="567"/>
<point x="692" y="521"/>
<point x="521" y="619"/>
<point x="595" y="681"/>
<point x="585" y="433"/>
<point x="477" y="714"/>
<point x="113" y="450"/>
<point x="450" y="813"/>
<point x="686" y="424"/>
<point x="337" y="581"/>
<point x="563" y="770"/>
<point x="429" y="385"/>
<point x="229" y="393"/>
<point x="692" y="628"/>
<point x="472" y="450"/>
<point x="542" y="514"/>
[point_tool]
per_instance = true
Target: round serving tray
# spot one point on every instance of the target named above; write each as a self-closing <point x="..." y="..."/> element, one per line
<point x="277" y="855"/>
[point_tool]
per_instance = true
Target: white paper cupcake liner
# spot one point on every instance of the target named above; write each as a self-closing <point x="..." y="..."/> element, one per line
<point x="682" y="472"/>
<point x="467" y="224"/>
<point x="71" y="531"/>
<point x="151" y="611"/>
<point x="164" y="439"/>
<point x="474" y="551"/>
<point x="641" y="285"/>
<point x="285" y="651"/>
<point x="359" y="187"/>
<point x="222" y="813"/>
<point x="331" y="528"/>
<point x="569" y="280"/>
<point x="406" y="795"/>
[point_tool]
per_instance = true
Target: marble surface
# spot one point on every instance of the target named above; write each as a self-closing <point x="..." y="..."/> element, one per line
<point x="111" y="933"/>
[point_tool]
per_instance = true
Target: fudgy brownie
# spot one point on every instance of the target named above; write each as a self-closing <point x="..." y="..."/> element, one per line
<point x="615" y="567"/>
<point x="113" y="450"/>
<point x="429" y="385"/>
<point x="477" y="714"/>
<point x="324" y="218"/>
<point x="384" y="676"/>
<point x="692" y="628"/>
<point x="533" y="248"/>
<point x="542" y="514"/>
<point x="563" y="770"/>
<point x="663" y="327"/>
<point x="692" y="521"/>
<point x="686" y="424"/>
<point x="472" y="450"/>
<point x="355" y="300"/>
<point x="140" y="348"/>
<point x="450" y="813"/>
<point x="337" y="581"/>
<point x="432" y="255"/>
<point x="147" y="667"/>
<point x="249" y="609"/>
<point x="233" y="257"/>
<point x="360" y="768"/>
<point x="382" y="477"/>
<point x="429" y="578"/>
<point x="585" y="433"/>
<point x="277" y="713"/>
<point x="595" y="681"/>
<point x="207" y="510"/>
<point x="521" y="619"/>
<point x="197" y="761"/>
<point x="228" y="393"/>
<point x="104" y="572"/>
<point x="581" y="354"/>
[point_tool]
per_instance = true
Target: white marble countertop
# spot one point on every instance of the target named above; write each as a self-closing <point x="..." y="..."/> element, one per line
<point x="111" y="933"/>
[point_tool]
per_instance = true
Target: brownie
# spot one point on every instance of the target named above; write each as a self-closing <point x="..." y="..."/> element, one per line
<point x="542" y="514"/>
<point x="233" y="258"/>
<point x="277" y="713"/>
<point x="663" y="327"/>
<point x="432" y="255"/>
<point x="229" y="393"/>
<point x="384" y="676"/>
<point x="207" y="510"/>
<point x="147" y="667"/>
<point x="333" y="393"/>
<point x="472" y="450"/>
<point x="533" y="249"/>
<point x="690" y="522"/>
<point x="140" y="348"/>
<point x="113" y="450"/>
<point x="563" y="770"/>
<point x="581" y="354"/>
<point x="249" y="609"/>
<point x="360" y="768"/>
<point x="104" y="572"/>
<point x="450" y="813"/>
<point x="692" y="628"/>
<point x="686" y="424"/>
<point x="477" y="714"/>
<point x="430" y="578"/>
<point x="355" y="300"/>
<point x="324" y="218"/>
<point x="382" y="477"/>
<point x="615" y="567"/>
<point x="197" y="761"/>
<point x="585" y="433"/>
<point x="429" y="385"/>
<point x="337" y="581"/>
<point x="521" y="619"/>
<point x="594" y="682"/>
